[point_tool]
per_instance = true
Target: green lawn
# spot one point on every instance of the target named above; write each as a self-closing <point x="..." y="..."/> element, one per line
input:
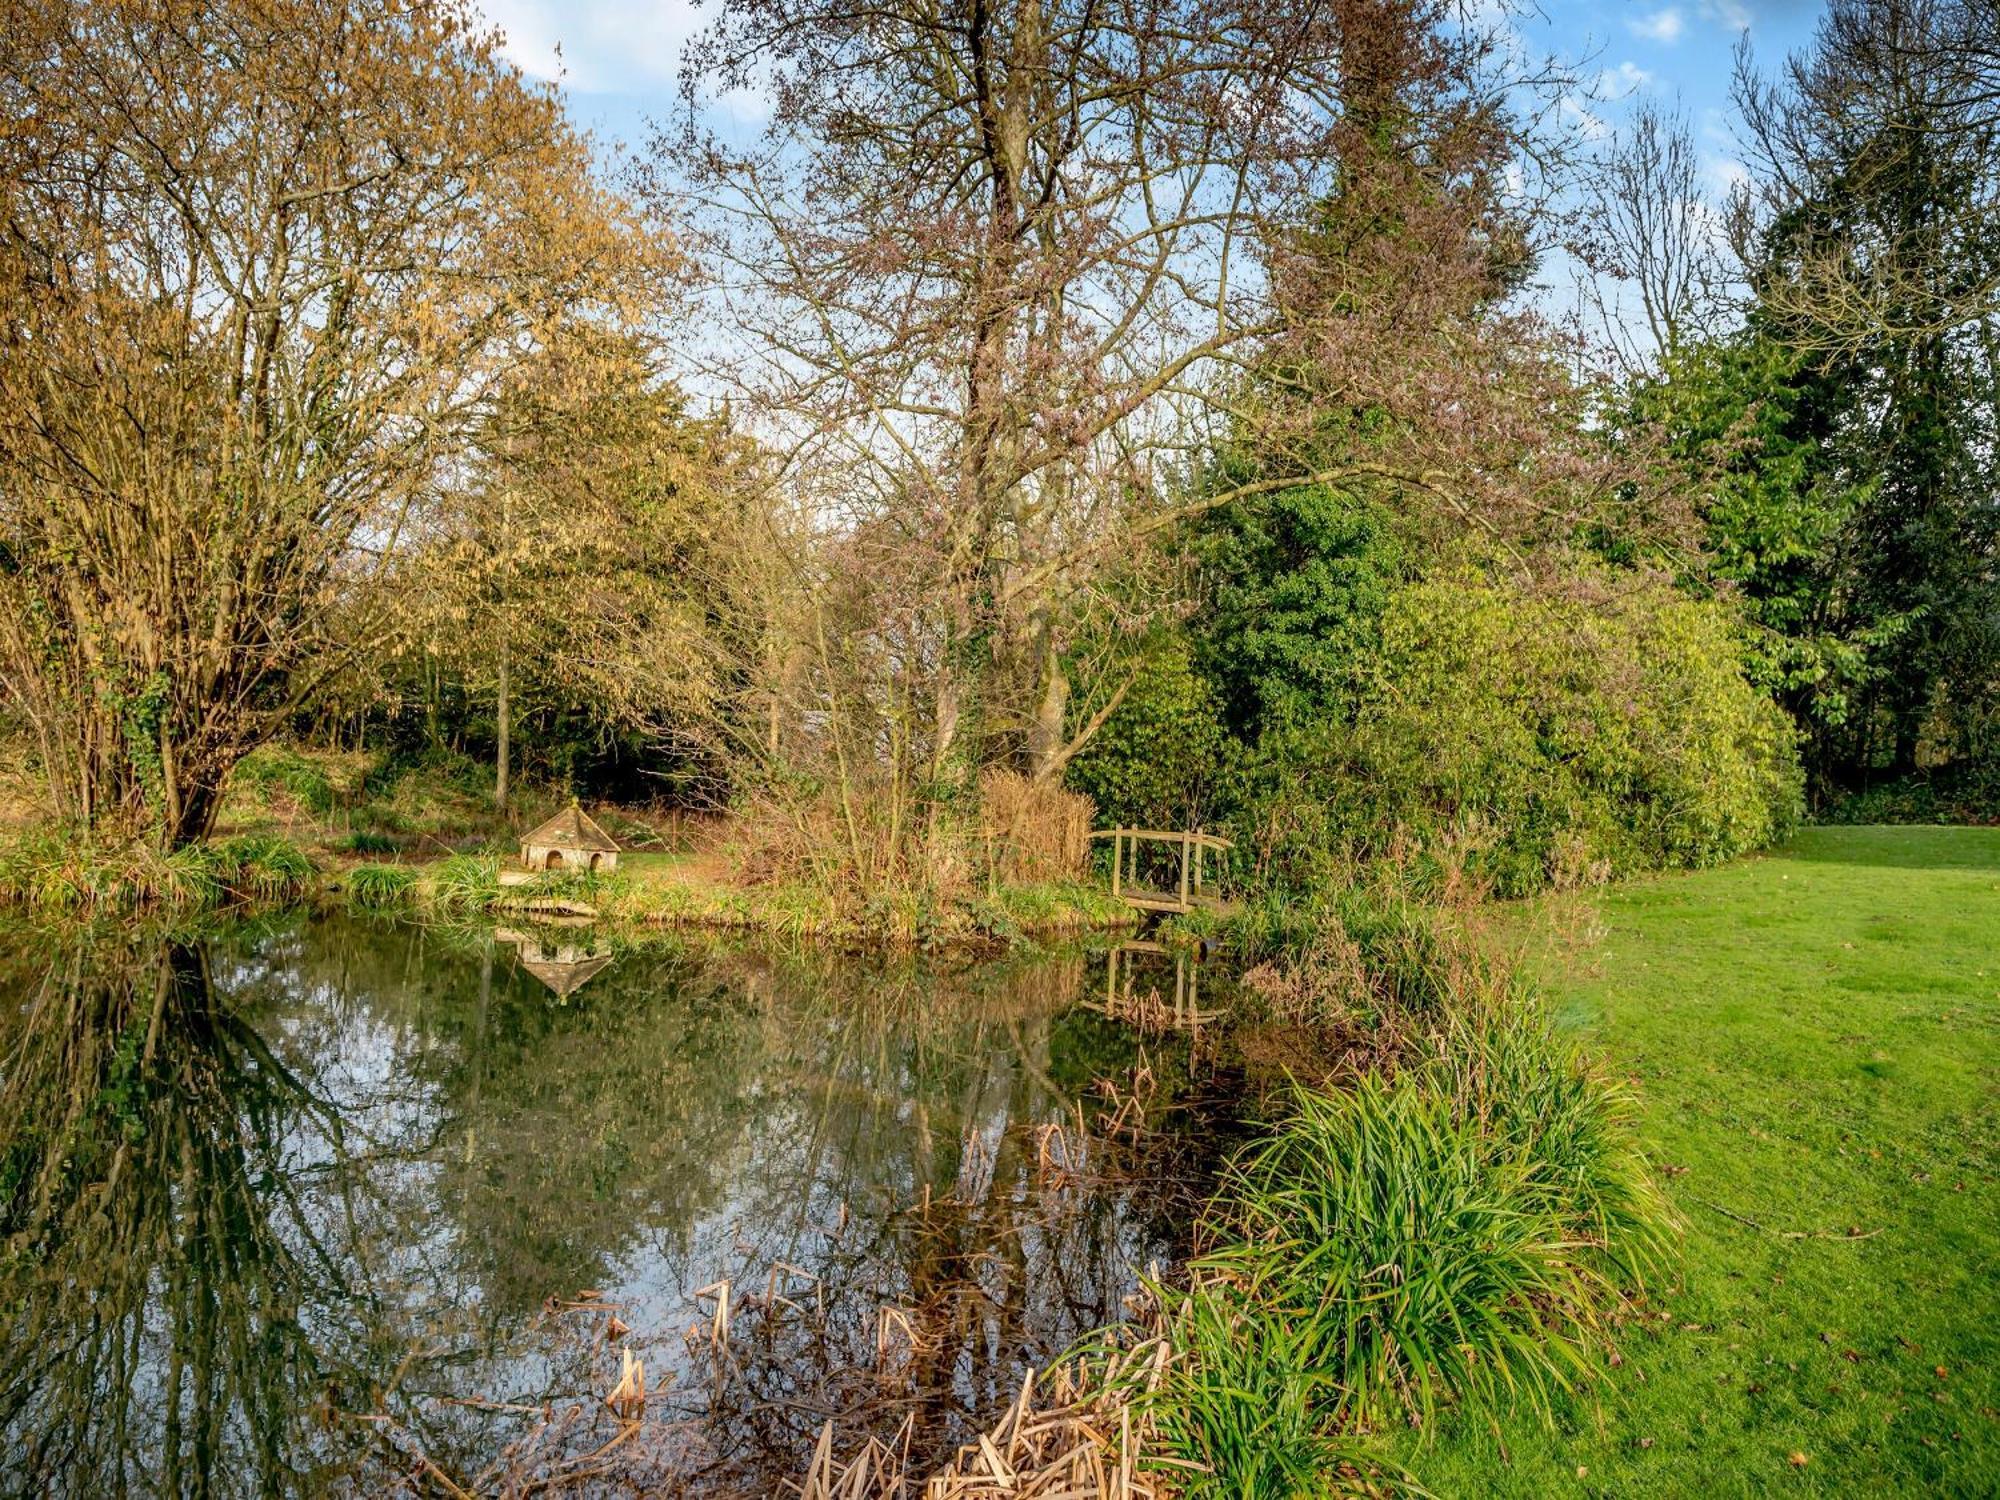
<point x="1813" y="1038"/>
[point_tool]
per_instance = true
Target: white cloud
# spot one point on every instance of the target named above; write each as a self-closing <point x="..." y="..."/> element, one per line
<point x="1623" y="81"/>
<point x="1661" y="26"/>
<point x="1732" y="14"/>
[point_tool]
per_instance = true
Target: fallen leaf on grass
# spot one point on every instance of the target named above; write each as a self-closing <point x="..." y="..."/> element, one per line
<point x="1799" y="1460"/>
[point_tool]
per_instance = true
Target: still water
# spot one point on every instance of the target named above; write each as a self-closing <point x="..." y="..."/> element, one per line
<point x="318" y="1206"/>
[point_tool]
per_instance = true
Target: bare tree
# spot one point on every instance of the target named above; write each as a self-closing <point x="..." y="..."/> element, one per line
<point x="1876" y="165"/>
<point x="1660" y="236"/>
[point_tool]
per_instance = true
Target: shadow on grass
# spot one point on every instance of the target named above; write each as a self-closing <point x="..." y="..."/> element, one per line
<point x="1903" y="847"/>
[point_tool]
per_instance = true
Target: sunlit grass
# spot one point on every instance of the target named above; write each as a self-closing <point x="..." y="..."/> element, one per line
<point x="1812" y="1039"/>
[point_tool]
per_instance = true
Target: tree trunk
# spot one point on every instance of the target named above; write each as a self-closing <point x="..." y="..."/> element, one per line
<point x="503" y="714"/>
<point x="1046" y="740"/>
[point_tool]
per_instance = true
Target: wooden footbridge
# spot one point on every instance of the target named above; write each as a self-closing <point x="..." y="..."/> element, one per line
<point x="1196" y="885"/>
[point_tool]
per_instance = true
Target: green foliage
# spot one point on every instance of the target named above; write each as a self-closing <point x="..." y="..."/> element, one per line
<point x="1157" y="760"/>
<point x="1016" y="910"/>
<point x="1245" y="1401"/>
<point x="381" y="887"/>
<point x="47" y="869"/>
<point x="263" y="866"/>
<point x="362" y="841"/>
<point x="1455" y="1237"/>
<point x="1532" y="739"/>
<point x="462" y="884"/>
<point x="1297" y="580"/>
<point x="279" y="768"/>
<point x="1965" y="791"/>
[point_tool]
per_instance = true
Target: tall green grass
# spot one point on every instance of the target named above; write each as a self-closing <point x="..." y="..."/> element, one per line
<point x="49" y="870"/>
<point x="1462" y="1233"/>
<point x="381" y="887"/>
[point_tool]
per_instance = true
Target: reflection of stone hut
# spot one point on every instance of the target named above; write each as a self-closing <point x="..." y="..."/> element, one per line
<point x="569" y="841"/>
<point x="561" y="965"/>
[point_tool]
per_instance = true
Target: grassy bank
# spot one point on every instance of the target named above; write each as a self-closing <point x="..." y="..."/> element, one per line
<point x="1812" y="1035"/>
<point x="691" y="891"/>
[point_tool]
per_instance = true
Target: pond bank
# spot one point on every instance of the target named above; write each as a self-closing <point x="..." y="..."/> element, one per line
<point x="671" y="893"/>
<point x="45" y="872"/>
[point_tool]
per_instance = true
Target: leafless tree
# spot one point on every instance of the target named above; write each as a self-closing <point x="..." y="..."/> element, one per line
<point x="1662" y="236"/>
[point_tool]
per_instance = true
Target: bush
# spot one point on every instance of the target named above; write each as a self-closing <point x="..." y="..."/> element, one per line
<point x="1157" y="761"/>
<point x="1963" y="792"/>
<point x="1533" y="740"/>
<point x="1461" y="1233"/>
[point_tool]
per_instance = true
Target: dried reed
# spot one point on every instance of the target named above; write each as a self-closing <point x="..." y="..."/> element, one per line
<point x="1088" y="1437"/>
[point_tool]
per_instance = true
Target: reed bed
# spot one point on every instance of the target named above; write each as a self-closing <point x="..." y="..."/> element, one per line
<point x="1088" y="1434"/>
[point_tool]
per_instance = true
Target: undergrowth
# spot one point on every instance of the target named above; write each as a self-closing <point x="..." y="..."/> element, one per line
<point x="46" y="869"/>
<point x="1459" y="1222"/>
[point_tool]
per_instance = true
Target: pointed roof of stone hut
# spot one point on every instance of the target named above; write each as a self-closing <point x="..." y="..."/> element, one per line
<point x="564" y="978"/>
<point x="571" y="828"/>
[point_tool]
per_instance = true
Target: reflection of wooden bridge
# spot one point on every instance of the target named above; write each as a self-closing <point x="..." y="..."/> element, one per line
<point x="1148" y="1008"/>
<point x="1194" y="885"/>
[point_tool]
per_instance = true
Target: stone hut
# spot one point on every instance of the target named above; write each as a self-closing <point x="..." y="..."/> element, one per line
<point x="569" y="841"/>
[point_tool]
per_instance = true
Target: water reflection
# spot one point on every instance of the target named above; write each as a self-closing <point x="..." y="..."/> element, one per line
<point x="287" y="1209"/>
<point x="564" y="957"/>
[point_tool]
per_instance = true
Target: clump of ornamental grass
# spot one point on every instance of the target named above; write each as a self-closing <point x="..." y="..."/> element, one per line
<point x="1244" y="1404"/>
<point x="1463" y="1232"/>
<point x="381" y="887"/>
<point x="261" y="866"/>
<point x="49" y="870"/>
<point x="462" y="884"/>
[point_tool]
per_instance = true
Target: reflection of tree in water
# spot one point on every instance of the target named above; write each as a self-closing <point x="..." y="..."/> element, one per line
<point x="157" y="1255"/>
<point x="922" y="1105"/>
<point x="217" y="1246"/>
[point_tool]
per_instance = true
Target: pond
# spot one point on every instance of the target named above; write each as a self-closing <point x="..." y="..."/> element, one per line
<point x="323" y="1206"/>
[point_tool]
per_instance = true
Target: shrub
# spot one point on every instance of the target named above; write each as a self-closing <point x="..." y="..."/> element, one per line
<point x="1962" y="792"/>
<point x="1157" y="761"/>
<point x="1534" y="739"/>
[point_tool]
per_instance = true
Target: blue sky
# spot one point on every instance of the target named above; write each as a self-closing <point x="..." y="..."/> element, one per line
<point x="616" y="58"/>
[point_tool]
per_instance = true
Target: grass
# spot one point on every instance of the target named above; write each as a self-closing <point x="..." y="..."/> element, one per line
<point x="1812" y="1035"/>
<point x="1464" y="1231"/>
<point x="46" y="869"/>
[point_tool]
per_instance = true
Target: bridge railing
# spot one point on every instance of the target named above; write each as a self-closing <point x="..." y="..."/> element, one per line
<point x="1194" y="886"/>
